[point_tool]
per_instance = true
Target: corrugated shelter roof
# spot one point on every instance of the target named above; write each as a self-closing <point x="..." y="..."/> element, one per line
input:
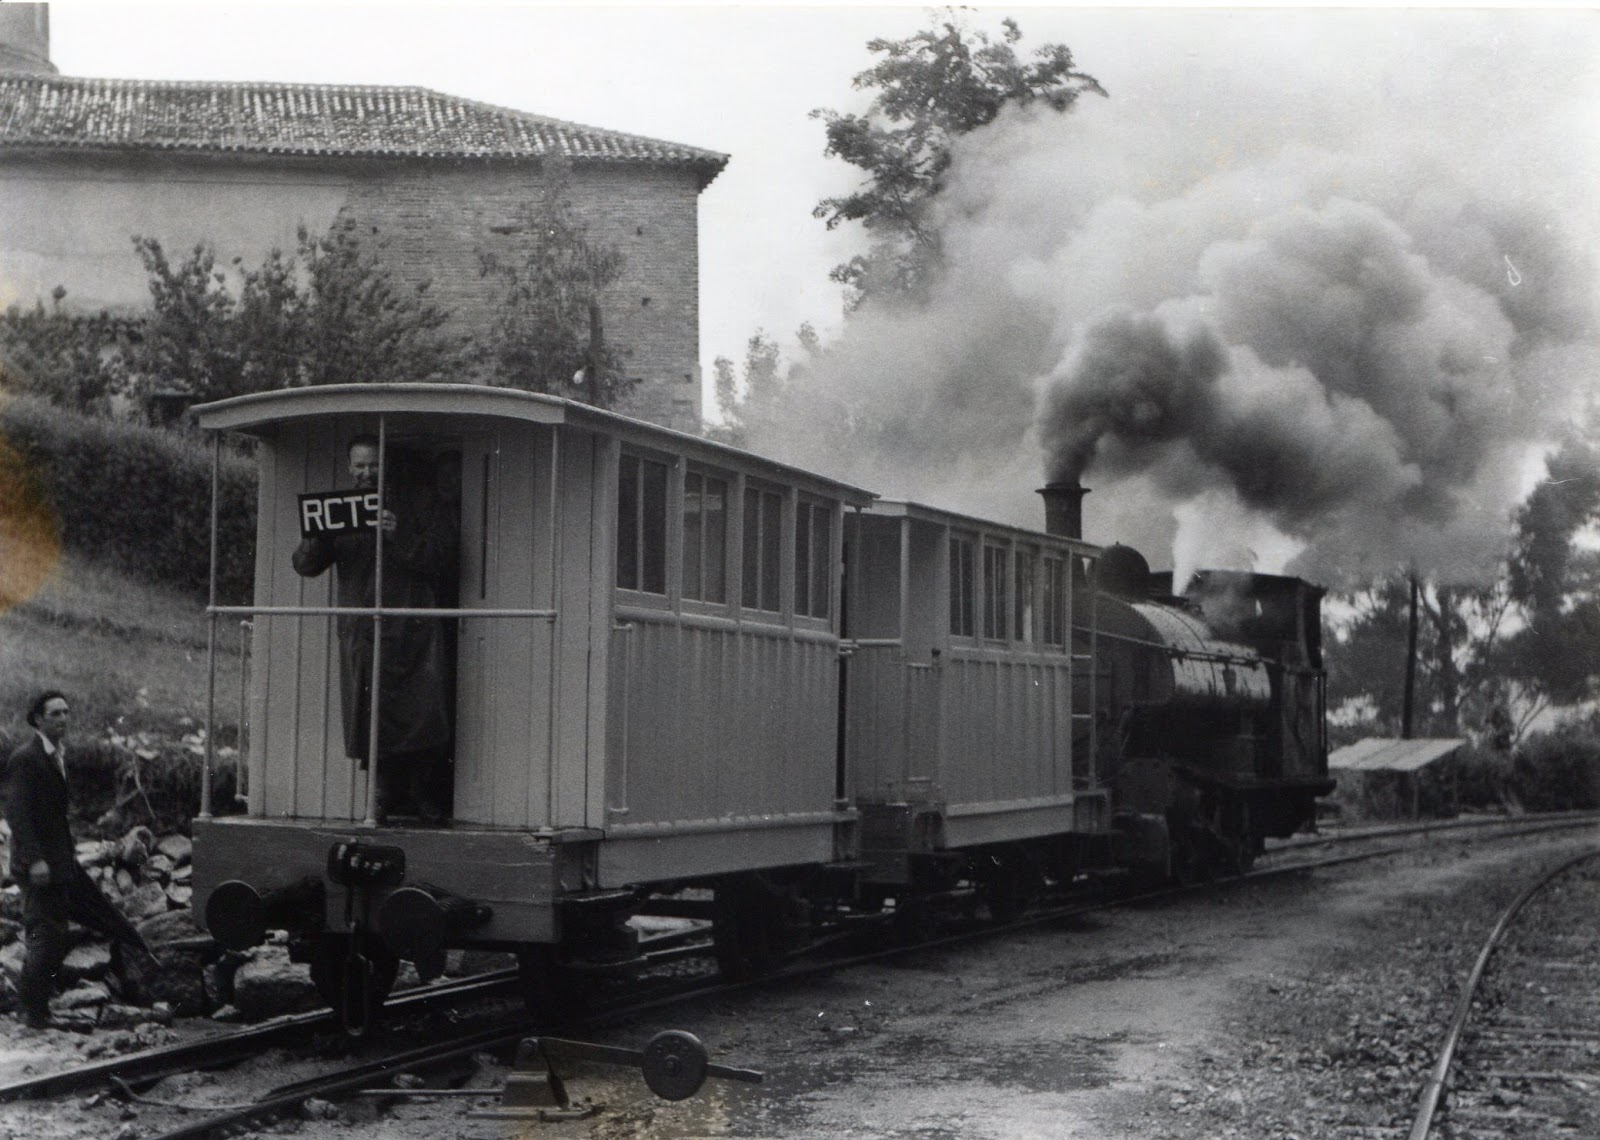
<point x="325" y="120"/>
<point x="1385" y="754"/>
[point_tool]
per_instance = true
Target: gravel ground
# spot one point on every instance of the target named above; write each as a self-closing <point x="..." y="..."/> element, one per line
<point x="1305" y="1008"/>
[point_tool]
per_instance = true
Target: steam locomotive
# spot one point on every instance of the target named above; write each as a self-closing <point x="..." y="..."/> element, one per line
<point x="689" y="681"/>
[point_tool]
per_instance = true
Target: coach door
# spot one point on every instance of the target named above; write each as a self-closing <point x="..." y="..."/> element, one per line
<point x="504" y="652"/>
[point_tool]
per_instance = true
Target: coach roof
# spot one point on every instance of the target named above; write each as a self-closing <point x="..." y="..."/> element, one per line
<point x="260" y="414"/>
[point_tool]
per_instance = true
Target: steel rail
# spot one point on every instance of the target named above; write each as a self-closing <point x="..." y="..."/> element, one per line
<point x="224" y="1049"/>
<point x="1433" y="1088"/>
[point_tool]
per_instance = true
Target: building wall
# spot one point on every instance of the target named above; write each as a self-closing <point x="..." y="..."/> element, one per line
<point x="68" y="220"/>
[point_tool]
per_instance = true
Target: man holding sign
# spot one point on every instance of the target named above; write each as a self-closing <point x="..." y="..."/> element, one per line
<point x="341" y="529"/>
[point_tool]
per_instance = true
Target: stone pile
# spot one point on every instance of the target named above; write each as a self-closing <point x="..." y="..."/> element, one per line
<point x="148" y="878"/>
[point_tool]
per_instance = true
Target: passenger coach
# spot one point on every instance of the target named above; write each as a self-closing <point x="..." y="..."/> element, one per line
<point x="644" y="640"/>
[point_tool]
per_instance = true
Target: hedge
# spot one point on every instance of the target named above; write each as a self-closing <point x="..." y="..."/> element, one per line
<point x="139" y="497"/>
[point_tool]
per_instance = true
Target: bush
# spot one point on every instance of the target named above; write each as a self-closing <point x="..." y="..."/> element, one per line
<point x="138" y="496"/>
<point x="1558" y="771"/>
<point x="1485" y="777"/>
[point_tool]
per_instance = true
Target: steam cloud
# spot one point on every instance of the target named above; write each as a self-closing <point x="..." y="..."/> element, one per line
<point x="1330" y="359"/>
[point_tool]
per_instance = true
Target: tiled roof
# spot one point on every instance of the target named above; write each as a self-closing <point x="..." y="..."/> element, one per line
<point x="305" y="119"/>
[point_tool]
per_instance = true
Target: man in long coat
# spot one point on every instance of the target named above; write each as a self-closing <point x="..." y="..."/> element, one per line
<point x="55" y="889"/>
<point x="419" y="552"/>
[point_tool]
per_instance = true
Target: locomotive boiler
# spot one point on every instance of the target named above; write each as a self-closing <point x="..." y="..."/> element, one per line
<point x="684" y="680"/>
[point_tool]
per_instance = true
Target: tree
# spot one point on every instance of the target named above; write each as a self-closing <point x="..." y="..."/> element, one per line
<point x="74" y="361"/>
<point x="547" y="334"/>
<point x="1553" y="658"/>
<point x="756" y="400"/>
<point x="331" y="313"/>
<point x="1494" y="657"/>
<point x="931" y="88"/>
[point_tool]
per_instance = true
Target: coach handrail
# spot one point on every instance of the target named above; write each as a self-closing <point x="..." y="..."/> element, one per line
<point x="374" y="611"/>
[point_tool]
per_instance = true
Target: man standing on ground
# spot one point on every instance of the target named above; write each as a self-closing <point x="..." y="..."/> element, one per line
<point x="43" y="857"/>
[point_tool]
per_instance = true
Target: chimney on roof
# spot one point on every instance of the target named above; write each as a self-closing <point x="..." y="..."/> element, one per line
<point x="1063" y="508"/>
<point x="25" y="38"/>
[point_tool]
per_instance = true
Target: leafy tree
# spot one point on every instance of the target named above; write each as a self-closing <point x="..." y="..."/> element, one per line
<point x="1553" y="658"/>
<point x="1458" y="631"/>
<point x="360" y="325"/>
<point x="931" y="88"/>
<point x="330" y="313"/>
<point x="547" y="334"/>
<point x="74" y="361"/>
<point x="1493" y="658"/>
<point x="757" y="399"/>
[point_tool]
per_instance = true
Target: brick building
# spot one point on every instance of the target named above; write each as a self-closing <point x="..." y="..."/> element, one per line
<point x="87" y="163"/>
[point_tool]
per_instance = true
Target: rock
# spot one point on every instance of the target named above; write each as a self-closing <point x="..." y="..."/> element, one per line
<point x="145" y="900"/>
<point x="124" y="882"/>
<point x="116" y="1016"/>
<point x="11" y="958"/>
<point x="228" y="1013"/>
<point x="178" y="848"/>
<point x="96" y="852"/>
<point x="158" y="866"/>
<point x="183" y="873"/>
<point x="134" y="848"/>
<point x="181" y="894"/>
<point x="83" y="995"/>
<point x="10" y="930"/>
<point x="269" y="984"/>
<point x="219" y="976"/>
<point x="175" y="976"/>
<point x="11" y="902"/>
<point x="169" y="926"/>
<point x="87" y="960"/>
<point x="315" y="1108"/>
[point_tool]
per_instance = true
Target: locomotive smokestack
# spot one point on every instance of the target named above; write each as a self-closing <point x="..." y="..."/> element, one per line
<point x="1063" y="508"/>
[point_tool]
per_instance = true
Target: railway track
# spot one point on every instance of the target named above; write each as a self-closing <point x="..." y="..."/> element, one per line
<point x="1522" y="1055"/>
<point x="379" y="1064"/>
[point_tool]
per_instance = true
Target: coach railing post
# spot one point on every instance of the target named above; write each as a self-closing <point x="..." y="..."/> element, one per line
<point x="375" y="687"/>
<point x="211" y="639"/>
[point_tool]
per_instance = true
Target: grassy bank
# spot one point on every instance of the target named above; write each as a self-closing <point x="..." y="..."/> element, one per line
<point x="132" y="656"/>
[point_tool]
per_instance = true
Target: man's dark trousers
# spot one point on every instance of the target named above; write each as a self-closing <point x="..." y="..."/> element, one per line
<point x="44" y="923"/>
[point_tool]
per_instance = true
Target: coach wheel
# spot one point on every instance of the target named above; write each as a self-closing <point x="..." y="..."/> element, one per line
<point x="552" y="991"/>
<point x="758" y="924"/>
<point x="354" y="976"/>
<point x="1006" y="886"/>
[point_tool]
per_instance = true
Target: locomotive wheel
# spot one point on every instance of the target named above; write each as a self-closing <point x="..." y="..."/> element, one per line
<point x="1241" y="843"/>
<point x="1189" y="862"/>
<point x="757" y="926"/>
<point x="355" y="988"/>
<point x="552" y="991"/>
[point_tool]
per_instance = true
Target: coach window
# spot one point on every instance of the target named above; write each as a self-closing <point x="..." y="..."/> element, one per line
<point x="642" y="525"/>
<point x="813" y="546"/>
<point x="1053" y="603"/>
<point x="763" y="547"/>
<point x="1022" y="616"/>
<point x="705" y="537"/>
<point x="961" y="586"/>
<point x="995" y="608"/>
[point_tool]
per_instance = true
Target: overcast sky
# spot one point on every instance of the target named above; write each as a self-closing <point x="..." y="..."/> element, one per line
<point x="743" y="78"/>
<point x="1243" y="159"/>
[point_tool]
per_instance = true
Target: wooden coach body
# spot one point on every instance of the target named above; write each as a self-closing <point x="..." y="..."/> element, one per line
<point x="646" y="682"/>
<point x="970" y="693"/>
